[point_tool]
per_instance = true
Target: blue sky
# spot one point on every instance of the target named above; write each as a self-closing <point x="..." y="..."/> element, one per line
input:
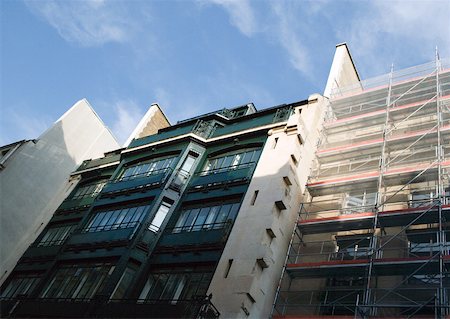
<point x="192" y="57"/>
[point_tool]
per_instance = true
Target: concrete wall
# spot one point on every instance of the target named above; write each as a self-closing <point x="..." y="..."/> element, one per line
<point x="248" y="290"/>
<point x="35" y="178"/>
<point x="150" y="123"/>
<point x="343" y="72"/>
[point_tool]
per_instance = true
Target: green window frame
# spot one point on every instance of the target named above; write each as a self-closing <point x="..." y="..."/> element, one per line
<point x="118" y="218"/>
<point x="147" y="168"/>
<point x="215" y="216"/>
<point x="78" y="281"/>
<point x="231" y="160"/>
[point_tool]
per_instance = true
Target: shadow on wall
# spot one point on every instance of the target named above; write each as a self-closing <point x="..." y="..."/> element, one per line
<point x="35" y="179"/>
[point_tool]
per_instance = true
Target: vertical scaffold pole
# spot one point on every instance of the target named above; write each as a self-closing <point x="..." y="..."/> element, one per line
<point x="440" y="190"/>
<point x="367" y="301"/>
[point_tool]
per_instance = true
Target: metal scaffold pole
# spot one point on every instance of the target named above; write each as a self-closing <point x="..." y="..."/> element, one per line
<point x="370" y="310"/>
<point x="440" y="192"/>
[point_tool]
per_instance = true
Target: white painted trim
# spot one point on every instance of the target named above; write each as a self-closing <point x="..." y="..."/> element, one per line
<point x="94" y="168"/>
<point x="176" y="138"/>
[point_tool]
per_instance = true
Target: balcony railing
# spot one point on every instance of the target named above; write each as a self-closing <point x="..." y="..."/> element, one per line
<point x="198" y="235"/>
<point x="197" y="307"/>
<point x="148" y="179"/>
<point x="241" y="172"/>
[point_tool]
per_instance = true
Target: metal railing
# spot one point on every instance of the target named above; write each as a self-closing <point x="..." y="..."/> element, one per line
<point x="225" y="169"/>
<point x="166" y="170"/>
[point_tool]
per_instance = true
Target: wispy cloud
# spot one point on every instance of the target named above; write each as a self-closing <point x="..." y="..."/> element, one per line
<point x="88" y="23"/>
<point x="23" y="123"/>
<point x="241" y="14"/>
<point x="280" y="26"/>
<point x="290" y="38"/>
<point x="127" y="116"/>
<point x="385" y="32"/>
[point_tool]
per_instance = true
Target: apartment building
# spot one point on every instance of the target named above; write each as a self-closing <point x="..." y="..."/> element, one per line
<point x="160" y="227"/>
<point x="34" y="177"/>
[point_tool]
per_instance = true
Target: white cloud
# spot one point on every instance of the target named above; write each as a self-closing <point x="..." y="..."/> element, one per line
<point x="23" y="124"/>
<point x="127" y="117"/>
<point x="88" y="23"/>
<point x="282" y="28"/>
<point x="290" y="38"/>
<point x="241" y="14"/>
<point x="386" y="32"/>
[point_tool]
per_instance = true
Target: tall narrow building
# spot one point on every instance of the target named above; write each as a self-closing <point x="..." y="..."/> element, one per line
<point x="34" y="177"/>
<point x="195" y="215"/>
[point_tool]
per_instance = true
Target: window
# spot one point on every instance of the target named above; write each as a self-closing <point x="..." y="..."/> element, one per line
<point x="147" y="168"/>
<point x="79" y="281"/>
<point x="160" y="215"/>
<point x="89" y="190"/>
<point x="185" y="170"/>
<point x="56" y="235"/>
<point x="124" y="282"/>
<point x="255" y="196"/>
<point x="125" y="217"/>
<point x="275" y="142"/>
<point x="176" y="286"/>
<point x="203" y="218"/>
<point x="229" y="161"/>
<point x="20" y="285"/>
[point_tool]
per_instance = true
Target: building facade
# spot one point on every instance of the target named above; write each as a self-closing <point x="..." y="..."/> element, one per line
<point x="373" y="238"/>
<point x="149" y="227"/>
<point x="331" y="206"/>
<point x="34" y="177"/>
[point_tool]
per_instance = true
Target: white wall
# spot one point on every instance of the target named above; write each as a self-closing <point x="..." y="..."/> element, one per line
<point x="35" y="179"/>
<point x="249" y="239"/>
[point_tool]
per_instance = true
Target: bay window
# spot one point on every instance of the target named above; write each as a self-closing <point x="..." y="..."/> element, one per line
<point x="207" y="217"/>
<point x="231" y="160"/>
<point x="119" y="218"/>
<point x="147" y="168"/>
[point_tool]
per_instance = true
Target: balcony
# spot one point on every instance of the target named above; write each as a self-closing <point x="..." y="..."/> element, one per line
<point x="92" y="236"/>
<point x="77" y="202"/>
<point x="36" y="251"/>
<point x="137" y="182"/>
<point x="199" y="307"/>
<point x="221" y="176"/>
<point x="189" y="237"/>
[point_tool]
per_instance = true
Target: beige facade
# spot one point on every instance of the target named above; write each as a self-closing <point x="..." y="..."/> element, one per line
<point x="248" y="272"/>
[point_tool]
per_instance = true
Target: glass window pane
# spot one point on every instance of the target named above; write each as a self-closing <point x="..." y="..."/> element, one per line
<point x="211" y="217"/>
<point x="129" y="212"/>
<point x="222" y="217"/>
<point x="191" y="219"/>
<point x="159" y="286"/>
<point x="138" y="215"/>
<point x="111" y="221"/>
<point x="247" y="157"/>
<point x="233" y="212"/>
<point x="227" y="161"/>
<point x="256" y="155"/>
<point x="123" y="284"/>
<point x="159" y="217"/>
<point x="200" y="220"/>
<point x="236" y="160"/>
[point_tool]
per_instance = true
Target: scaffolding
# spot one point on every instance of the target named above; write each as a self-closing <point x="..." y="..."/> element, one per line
<point x="373" y="238"/>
